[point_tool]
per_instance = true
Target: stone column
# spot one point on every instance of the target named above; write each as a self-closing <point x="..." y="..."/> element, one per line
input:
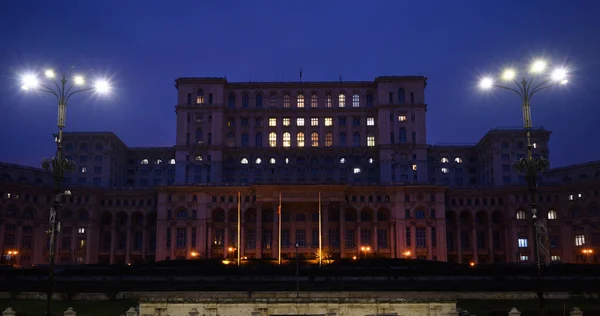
<point x="324" y="225"/>
<point x="258" y="232"/>
<point x="475" y="242"/>
<point x="113" y="240"/>
<point x="128" y="243"/>
<point x="342" y="232"/>
<point x="88" y="245"/>
<point x="458" y="241"/>
<point x="188" y="241"/>
<point x="429" y="246"/>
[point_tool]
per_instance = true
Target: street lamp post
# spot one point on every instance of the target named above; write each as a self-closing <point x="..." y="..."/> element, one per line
<point x="58" y="165"/>
<point x="526" y="88"/>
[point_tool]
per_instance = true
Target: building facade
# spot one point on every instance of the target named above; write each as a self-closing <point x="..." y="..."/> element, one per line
<point x="350" y="156"/>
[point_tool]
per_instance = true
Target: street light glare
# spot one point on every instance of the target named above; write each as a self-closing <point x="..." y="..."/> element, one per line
<point x="559" y="74"/>
<point x="102" y="86"/>
<point x="564" y="81"/>
<point x="79" y="80"/>
<point x="486" y="83"/>
<point x="538" y="66"/>
<point x="29" y="82"/>
<point x="49" y="73"/>
<point x="509" y="74"/>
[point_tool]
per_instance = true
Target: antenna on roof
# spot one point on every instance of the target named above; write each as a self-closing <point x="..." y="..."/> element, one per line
<point x="249" y="77"/>
<point x="340" y="78"/>
<point x="300" y="74"/>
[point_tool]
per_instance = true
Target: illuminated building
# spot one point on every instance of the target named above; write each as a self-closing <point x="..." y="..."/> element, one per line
<point x="360" y="145"/>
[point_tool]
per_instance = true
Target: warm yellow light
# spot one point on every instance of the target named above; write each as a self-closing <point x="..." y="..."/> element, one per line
<point x="353" y="257"/>
<point x="559" y="74"/>
<point x="472" y="264"/>
<point x="49" y="73"/>
<point x="79" y="80"/>
<point x="509" y="74"/>
<point x="407" y="253"/>
<point x="29" y="82"/>
<point x="194" y="254"/>
<point x="538" y="66"/>
<point x="486" y="83"/>
<point x="102" y="86"/>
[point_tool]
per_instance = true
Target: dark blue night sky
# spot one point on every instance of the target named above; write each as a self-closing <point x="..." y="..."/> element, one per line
<point x="144" y="45"/>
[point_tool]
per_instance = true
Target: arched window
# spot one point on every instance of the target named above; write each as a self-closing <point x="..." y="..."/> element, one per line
<point x="355" y="100"/>
<point x="259" y="104"/>
<point x="328" y="139"/>
<point x="231" y="101"/>
<point x="287" y="139"/>
<point x="200" y="96"/>
<point x="314" y="101"/>
<point x="258" y="140"/>
<point x="300" y="101"/>
<point x="244" y="161"/>
<point x="341" y="100"/>
<point x="272" y="139"/>
<point x="272" y="161"/>
<point x="245" y="100"/>
<point x="328" y="101"/>
<point x="521" y="215"/>
<point x="286" y="101"/>
<point x="144" y="161"/>
<point x="300" y="139"/>
<point x="182" y="214"/>
<point x="401" y="97"/>
<point x="198" y="158"/>
<point x="272" y="100"/>
<point x="172" y="161"/>
<point x="552" y="214"/>
<point x="369" y="100"/>
<point x="314" y="139"/>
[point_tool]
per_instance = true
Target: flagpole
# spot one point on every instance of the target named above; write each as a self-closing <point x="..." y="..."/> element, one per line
<point x="279" y="239"/>
<point x="239" y="227"/>
<point x="320" y="234"/>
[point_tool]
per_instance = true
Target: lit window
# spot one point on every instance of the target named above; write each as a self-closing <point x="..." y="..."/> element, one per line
<point x="521" y="215"/>
<point x="580" y="195"/>
<point x="244" y="161"/>
<point x="314" y="121"/>
<point x="328" y="121"/>
<point x="157" y="161"/>
<point x="370" y="140"/>
<point x="370" y="121"/>
<point x="458" y="160"/>
<point x="81" y="230"/>
<point x="200" y="97"/>
<point x="314" y="101"/>
<point x="286" y="160"/>
<point x="144" y="161"/>
<point x="286" y="121"/>
<point x="444" y="160"/>
<point x="272" y="160"/>
<point x="534" y="145"/>
<point x="300" y="139"/>
<point x="555" y="258"/>
<point x="272" y="121"/>
<point x="570" y="197"/>
<point x="355" y="100"/>
<point x="328" y="139"/>
<point x="524" y="258"/>
<point x="522" y="242"/>
<point x="83" y="169"/>
<point x="445" y="170"/>
<point x="342" y="100"/>
<point x="300" y="100"/>
<point x="258" y="161"/>
<point x="272" y="139"/>
<point x="414" y="167"/>
<point x="328" y="101"/>
<point x="342" y="160"/>
<point x="287" y="139"/>
<point x="356" y="170"/>
<point x="579" y="240"/>
<point x="552" y="214"/>
<point x="286" y="101"/>
<point x="371" y="160"/>
<point x="314" y="139"/>
<point x="172" y="161"/>
<point x="198" y="158"/>
<point x="300" y="121"/>
<point x="401" y="118"/>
